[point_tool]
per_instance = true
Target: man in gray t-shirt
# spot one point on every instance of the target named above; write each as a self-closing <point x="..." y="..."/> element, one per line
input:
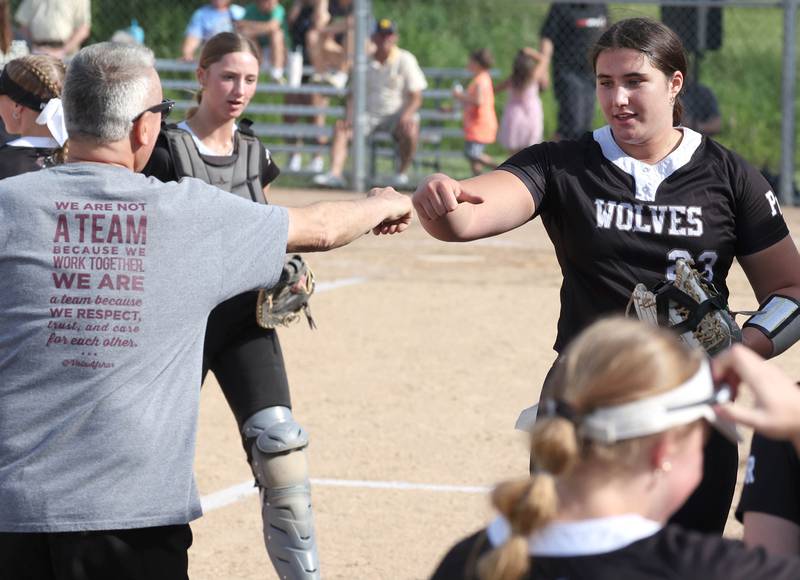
<point x="107" y="278"/>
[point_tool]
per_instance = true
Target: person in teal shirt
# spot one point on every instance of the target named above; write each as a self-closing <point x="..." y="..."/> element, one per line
<point x="265" y="22"/>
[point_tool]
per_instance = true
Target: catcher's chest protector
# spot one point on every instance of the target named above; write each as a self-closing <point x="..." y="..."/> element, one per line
<point x="241" y="176"/>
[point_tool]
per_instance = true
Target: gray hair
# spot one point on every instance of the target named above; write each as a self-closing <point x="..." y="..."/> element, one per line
<point x="106" y="86"/>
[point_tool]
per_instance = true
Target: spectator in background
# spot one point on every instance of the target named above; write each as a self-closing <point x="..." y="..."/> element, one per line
<point x="9" y="48"/>
<point x="304" y="17"/>
<point x="394" y="95"/>
<point x="700" y="109"/>
<point x="210" y="19"/>
<point x="523" y="118"/>
<point x="480" y="119"/>
<point x="569" y="31"/>
<point x="331" y="46"/>
<point x="264" y="21"/>
<point x="55" y="27"/>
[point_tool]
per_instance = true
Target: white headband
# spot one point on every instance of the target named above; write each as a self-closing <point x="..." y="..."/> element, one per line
<point x="53" y="116"/>
<point x="685" y="403"/>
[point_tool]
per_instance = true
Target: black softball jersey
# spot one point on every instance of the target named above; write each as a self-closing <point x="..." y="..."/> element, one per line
<point x="615" y="221"/>
<point x="623" y="548"/>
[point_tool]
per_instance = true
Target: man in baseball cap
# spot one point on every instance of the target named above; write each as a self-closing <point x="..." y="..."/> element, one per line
<point x="385" y="27"/>
<point x="395" y="83"/>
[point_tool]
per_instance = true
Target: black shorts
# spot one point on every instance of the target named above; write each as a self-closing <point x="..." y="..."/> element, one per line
<point x="771" y="481"/>
<point x="159" y="553"/>
<point x="246" y="359"/>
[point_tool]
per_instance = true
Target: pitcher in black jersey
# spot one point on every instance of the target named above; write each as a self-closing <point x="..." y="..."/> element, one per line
<point x="620" y="448"/>
<point x="246" y="359"/>
<point x="623" y="203"/>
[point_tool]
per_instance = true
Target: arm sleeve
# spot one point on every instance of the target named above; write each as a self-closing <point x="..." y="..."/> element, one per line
<point x="697" y="555"/>
<point x="731" y="559"/>
<point x="415" y="78"/>
<point x="269" y="169"/>
<point x="279" y="14"/>
<point x="532" y="168"/>
<point x="250" y="237"/>
<point x="195" y="26"/>
<point x="267" y="232"/>
<point x="772" y="480"/>
<point x="759" y="221"/>
<point x="250" y="12"/>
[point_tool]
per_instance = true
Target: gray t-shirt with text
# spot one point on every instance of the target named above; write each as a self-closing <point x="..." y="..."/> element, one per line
<point x="107" y="278"/>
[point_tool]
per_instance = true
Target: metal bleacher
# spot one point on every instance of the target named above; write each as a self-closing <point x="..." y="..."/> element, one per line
<point x="440" y="130"/>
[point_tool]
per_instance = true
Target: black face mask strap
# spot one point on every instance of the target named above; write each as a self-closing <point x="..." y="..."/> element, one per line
<point x="19" y="95"/>
<point x="559" y="408"/>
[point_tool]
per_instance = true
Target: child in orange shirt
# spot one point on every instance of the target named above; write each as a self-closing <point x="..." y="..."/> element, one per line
<point x="480" y="119"/>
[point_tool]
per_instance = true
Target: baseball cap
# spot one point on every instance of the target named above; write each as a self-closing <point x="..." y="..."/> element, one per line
<point x="385" y="26"/>
<point x="681" y="405"/>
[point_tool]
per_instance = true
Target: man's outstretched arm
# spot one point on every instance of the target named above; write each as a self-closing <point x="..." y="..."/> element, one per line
<point x="330" y="224"/>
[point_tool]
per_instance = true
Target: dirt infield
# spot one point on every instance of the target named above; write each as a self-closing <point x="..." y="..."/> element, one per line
<point x="409" y="388"/>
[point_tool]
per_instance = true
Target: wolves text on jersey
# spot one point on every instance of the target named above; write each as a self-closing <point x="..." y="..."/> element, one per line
<point x="673" y="220"/>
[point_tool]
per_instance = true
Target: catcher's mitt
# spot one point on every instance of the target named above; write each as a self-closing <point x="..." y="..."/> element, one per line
<point x="281" y="304"/>
<point x="690" y="306"/>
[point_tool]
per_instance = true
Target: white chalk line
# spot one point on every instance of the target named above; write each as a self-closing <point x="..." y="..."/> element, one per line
<point x="238" y="492"/>
<point x="340" y="283"/>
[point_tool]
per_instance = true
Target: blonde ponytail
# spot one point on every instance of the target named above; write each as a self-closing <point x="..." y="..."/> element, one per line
<point x="530" y="504"/>
<point x="612" y="362"/>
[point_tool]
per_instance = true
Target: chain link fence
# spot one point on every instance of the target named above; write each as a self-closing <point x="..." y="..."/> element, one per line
<point x="743" y="71"/>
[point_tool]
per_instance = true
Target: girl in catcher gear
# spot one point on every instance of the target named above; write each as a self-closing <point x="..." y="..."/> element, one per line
<point x="30" y="106"/>
<point x="620" y="448"/>
<point x="246" y="358"/>
<point x="623" y="203"/>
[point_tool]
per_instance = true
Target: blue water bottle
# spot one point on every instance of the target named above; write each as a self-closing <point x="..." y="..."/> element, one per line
<point x="136" y="31"/>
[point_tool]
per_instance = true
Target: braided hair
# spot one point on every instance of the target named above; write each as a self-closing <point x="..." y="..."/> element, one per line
<point x="43" y="76"/>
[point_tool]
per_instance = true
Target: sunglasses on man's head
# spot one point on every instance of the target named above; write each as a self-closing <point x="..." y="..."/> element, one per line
<point x="164" y="107"/>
